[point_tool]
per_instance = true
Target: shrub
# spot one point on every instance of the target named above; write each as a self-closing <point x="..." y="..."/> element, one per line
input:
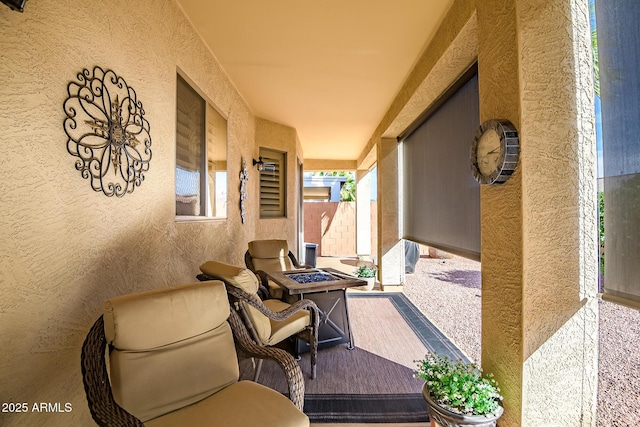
<point x="459" y="387"/>
<point x="365" y="271"/>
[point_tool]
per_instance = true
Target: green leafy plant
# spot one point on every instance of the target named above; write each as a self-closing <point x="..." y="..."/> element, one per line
<point x="365" y="271"/>
<point x="601" y="228"/>
<point x="459" y="387"/>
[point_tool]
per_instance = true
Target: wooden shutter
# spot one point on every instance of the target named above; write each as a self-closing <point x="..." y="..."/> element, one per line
<point x="273" y="184"/>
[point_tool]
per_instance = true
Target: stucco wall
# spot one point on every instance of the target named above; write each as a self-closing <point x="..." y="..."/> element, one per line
<point x="65" y="248"/>
<point x="539" y="240"/>
<point x="281" y="138"/>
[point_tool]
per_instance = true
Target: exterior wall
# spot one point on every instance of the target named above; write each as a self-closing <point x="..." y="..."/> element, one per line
<point x="374" y="230"/>
<point x="363" y="213"/>
<point x="332" y="226"/>
<point x="539" y="246"/>
<point x="65" y="248"/>
<point x="282" y="138"/>
<point x="539" y="240"/>
<point x="390" y="247"/>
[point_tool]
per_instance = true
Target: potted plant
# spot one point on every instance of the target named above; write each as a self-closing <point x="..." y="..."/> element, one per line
<point x="367" y="273"/>
<point x="457" y="393"/>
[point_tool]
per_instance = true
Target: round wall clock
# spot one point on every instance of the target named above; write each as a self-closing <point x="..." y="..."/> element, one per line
<point x="494" y="152"/>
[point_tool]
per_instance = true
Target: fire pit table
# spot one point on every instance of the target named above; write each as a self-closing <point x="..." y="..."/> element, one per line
<point x="327" y="287"/>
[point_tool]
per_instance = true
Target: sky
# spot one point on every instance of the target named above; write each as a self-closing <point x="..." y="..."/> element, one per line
<point x="592" y="20"/>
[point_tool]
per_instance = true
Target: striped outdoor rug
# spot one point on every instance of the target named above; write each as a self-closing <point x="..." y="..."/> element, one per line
<point x="374" y="382"/>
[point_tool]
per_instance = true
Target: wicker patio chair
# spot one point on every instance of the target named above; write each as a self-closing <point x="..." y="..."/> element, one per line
<point x="271" y="321"/>
<point x="264" y="256"/>
<point x="172" y="361"/>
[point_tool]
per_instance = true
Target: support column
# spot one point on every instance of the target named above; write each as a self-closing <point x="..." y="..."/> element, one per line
<point x="539" y="239"/>
<point x="363" y="213"/>
<point x="390" y="247"/>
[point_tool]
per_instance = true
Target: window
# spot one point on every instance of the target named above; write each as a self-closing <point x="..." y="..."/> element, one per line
<point x="201" y="156"/>
<point x="273" y="188"/>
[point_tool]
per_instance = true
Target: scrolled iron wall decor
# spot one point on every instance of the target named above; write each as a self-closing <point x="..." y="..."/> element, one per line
<point x="244" y="177"/>
<point x="107" y="132"/>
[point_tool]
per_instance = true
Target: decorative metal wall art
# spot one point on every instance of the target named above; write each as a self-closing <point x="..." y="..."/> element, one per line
<point x="107" y="132"/>
<point x="244" y="177"/>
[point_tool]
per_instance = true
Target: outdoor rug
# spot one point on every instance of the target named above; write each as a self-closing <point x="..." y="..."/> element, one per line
<point x="374" y="382"/>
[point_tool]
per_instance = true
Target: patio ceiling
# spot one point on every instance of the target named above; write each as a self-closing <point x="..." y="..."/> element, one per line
<point x="328" y="68"/>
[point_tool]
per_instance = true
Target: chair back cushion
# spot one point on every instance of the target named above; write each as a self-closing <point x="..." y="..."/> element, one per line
<point x="169" y="348"/>
<point x="270" y="255"/>
<point x="239" y="277"/>
<point x="246" y="280"/>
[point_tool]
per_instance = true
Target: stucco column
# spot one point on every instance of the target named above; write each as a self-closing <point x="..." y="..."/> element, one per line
<point x="390" y="248"/>
<point x="539" y="240"/>
<point x="363" y="213"/>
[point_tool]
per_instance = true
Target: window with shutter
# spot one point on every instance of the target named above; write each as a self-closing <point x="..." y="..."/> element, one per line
<point x="273" y="184"/>
<point x="201" y="156"/>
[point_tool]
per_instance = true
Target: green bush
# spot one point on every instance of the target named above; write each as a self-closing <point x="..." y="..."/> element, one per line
<point x="365" y="271"/>
<point x="459" y="387"/>
<point x="601" y="228"/>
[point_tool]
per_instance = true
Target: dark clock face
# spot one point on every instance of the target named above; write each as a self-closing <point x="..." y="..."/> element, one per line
<point x="494" y="152"/>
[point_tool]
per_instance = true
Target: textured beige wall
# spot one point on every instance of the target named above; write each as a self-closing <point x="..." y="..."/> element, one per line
<point x="448" y="55"/>
<point x="539" y="253"/>
<point x="390" y="248"/>
<point x="65" y="248"/>
<point x="282" y="138"/>
<point x="501" y="210"/>
<point x="538" y="230"/>
<point x="559" y="212"/>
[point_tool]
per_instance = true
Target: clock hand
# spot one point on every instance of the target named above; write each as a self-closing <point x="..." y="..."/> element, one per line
<point x="494" y="150"/>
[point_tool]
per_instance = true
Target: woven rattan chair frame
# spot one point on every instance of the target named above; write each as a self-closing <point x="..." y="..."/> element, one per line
<point x="107" y="413"/>
<point x="309" y="334"/>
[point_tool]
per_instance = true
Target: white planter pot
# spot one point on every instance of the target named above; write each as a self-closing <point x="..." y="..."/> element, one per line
<point x="442" y="417"/>
<point x="371" y="282"/>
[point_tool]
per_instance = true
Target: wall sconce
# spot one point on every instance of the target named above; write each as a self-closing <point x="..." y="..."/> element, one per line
<point x="264" y="166"/>
<point x="259" y="163"/>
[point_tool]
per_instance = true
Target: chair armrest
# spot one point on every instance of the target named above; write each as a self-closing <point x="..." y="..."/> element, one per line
<point x="104" y="409"/>
<point x="292" y="371"/>
<point x="303" y="304"/>
<point x="263" y="290"/>
<point x="248" y="261"/>
<point x="295" y="262"/>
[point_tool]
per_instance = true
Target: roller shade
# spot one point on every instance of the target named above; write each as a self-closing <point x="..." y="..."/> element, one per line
<point x="618" y="47"/>
<point x="441" y="199"/>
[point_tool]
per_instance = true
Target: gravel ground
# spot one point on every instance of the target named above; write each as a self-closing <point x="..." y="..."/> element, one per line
<point x="440" y="287"/>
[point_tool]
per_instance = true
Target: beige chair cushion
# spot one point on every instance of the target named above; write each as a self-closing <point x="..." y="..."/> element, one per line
<point x="288" y="327"/>
<point x="170" y="347"/>
<point x="246" y="280"/>
<point x="272" y="331"/>
<point x="275" y="291"/>
<point x="260" y="322"/>
<point x="242" y="278"/>
<point x="242" y="404"/>
<point x="270" y="255"/>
